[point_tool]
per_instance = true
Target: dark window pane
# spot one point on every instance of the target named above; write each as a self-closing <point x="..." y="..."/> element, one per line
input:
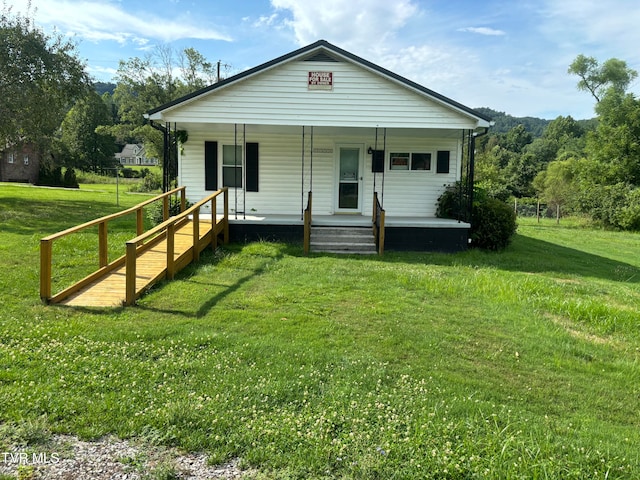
<point x="348" y="195"/>
<point x="443" y="162"/>
<point x="232" y="176"/>
<point x="420" y="161"/>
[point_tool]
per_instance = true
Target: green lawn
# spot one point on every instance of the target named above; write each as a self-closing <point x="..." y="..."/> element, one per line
<point x="520" y="364"/>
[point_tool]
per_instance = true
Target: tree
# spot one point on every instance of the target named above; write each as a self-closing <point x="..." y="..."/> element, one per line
<point x="597" y="79"/>
<point x="616" y="141"/>
<point x="145" y="83"/>
<point x="40" y="78"/>
<point x="609" y="179"/>
<point x="197" y="72"/>
<point x="563" y="128"/>
<point x="87" y="148"/>
<point x="516" y="139"/>
<point x="557" y="184"/>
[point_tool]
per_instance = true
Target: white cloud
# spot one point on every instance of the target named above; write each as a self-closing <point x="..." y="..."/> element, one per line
<point x="98" y="21"/>
<point x="102" y="72"/>
<point x="356" y="25"/>
<point x="595" y="28"/>
<point x="266" y="21"/>
<point x="482" y="31"/>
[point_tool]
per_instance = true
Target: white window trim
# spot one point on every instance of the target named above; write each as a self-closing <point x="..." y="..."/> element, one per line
<point x="431" y="168"/>
<point x="238" y="165"/>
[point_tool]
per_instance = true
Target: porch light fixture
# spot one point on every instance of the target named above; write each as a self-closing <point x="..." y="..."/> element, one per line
<point x="370" y="150"/>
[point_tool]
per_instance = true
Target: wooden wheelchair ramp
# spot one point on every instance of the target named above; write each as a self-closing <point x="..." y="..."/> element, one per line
<point x="150" y="256"/>
<point x="109" y="290"/>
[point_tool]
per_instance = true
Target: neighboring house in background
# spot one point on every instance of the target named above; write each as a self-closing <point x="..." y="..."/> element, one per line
<point x="323" y="120"/>
<point x="135" y="154"/>
<point x="20" y="164"/>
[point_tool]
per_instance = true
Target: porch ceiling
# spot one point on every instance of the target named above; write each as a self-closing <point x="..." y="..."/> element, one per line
<point x="206" y="128"/>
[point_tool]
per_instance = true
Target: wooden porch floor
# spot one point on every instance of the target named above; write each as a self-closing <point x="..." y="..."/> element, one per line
<point x="109" y="289"/>
<point x="345" y="220"/>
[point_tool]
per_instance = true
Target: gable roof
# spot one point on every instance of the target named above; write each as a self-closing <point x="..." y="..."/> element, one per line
<point x="322" y="51"/>
<point x="131" y="150"/>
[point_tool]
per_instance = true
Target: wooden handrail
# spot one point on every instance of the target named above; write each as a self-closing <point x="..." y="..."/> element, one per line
<point x="46" y="244"/>
<point x="378" y="223"/>
<point x="113" y="216"/>
<point x="307" y="226"/>
<point x="169" y="227"/>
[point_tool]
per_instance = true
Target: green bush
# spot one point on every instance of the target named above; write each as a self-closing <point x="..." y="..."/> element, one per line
<point x="452" y="203"/>
<point x="613" y="206"/>
<point x="151" y="182"/>
<point x="50" y="176"/>
<point x="128" y="173"/>
<point x="629" y="215"/>
<point x="70" y="180"/>
<point x="493" y="223"/>
<point x="154" y="211"/>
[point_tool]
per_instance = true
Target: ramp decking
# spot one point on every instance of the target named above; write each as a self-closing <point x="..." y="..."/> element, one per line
<point x="109" y="290"/>
<point x="150" y="257"/>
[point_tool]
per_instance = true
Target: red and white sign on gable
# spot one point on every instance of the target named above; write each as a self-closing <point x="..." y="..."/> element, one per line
<point x="320" y="81"/>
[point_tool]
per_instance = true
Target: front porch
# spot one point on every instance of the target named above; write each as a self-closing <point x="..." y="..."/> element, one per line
<point x="401" y="233"/>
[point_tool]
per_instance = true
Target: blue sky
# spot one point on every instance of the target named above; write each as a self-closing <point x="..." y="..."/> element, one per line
<point x="511" y="56"/>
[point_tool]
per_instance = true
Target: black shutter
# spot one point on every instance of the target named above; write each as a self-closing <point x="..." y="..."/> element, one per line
<point x="252" y="167"/>
<point x="210" y="165"/>
<point x="377" y="161"/>
<point x="442" y="165"/>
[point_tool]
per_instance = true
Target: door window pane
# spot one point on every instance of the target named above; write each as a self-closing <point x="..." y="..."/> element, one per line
<point x="348" y="195"/>
<point x="349" y="160"/>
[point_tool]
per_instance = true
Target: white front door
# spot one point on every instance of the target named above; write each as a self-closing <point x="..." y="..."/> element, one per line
<point x="349" y="178"/>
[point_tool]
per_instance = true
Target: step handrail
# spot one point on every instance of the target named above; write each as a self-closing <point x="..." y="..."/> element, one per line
<point x="307" y="225"/>
<point x="378" y="223"/>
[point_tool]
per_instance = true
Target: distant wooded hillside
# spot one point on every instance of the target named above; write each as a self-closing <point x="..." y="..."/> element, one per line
<point x="535" y="126"/>
<point x="505" y="122"/>
<point x="101" y="87"/>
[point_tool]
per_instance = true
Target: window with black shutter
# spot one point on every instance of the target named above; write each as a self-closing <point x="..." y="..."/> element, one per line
<point x="377" y="161"/>
<point x="252" y="167"/>
<point x="442" y="163"/>
<point x="211" y="166"/>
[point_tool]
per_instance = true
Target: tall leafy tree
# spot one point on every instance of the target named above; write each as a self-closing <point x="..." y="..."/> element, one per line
<point x="616" y="141"/>
<point x="516" y="139"/>
<point x="145" y="83"/>
<point x="558" y="185"/>
<point x="597" y="79"/>
<point x="197" y="71"/>
<point x="87" y="148"/>
<point x="40" y="79"/>
<point x="609" y="180"/>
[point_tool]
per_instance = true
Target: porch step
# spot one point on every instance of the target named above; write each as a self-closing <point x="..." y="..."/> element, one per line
<point x="351" y="240"/>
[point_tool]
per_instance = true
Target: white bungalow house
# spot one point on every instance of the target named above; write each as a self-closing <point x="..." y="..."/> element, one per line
<point x="322" y="120"/>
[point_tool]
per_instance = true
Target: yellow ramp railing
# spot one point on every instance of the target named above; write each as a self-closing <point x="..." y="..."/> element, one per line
<point x="104" y="266"/>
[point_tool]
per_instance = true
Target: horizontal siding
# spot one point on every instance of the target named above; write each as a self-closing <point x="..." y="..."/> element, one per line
<point x="359" y="98"/>
<point x="415" y="193"/>
<point x="406" y="193"/>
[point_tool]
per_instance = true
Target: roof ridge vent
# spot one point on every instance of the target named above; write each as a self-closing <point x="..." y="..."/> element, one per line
<point x="320" y="57"/>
